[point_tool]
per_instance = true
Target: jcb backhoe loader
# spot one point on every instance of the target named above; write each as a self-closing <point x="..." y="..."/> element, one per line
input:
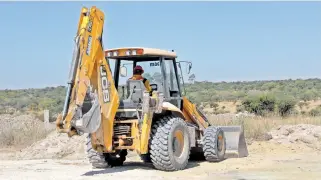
<point x="162" y="125"/>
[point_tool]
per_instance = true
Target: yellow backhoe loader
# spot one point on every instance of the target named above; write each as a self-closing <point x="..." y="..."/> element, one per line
<point x="162" y="125"/>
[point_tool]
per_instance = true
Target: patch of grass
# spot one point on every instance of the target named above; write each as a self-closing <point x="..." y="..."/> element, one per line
<point x="23" y="132"/>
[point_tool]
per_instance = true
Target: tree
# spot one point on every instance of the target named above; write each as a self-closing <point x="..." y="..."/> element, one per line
<point x="285" y="105"/>
<point x="191" y="78"/>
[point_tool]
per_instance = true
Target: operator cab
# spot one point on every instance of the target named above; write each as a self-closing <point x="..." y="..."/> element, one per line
<point x="160" y="69"/>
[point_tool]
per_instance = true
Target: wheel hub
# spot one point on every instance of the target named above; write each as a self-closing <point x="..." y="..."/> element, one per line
<point x="178" y="143"/>
<point x="220" y="142"/>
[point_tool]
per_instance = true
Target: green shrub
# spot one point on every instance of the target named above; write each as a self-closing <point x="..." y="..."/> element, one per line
<point x="315" y="112"/>
<point x="261" y="104"/>
<point x="240" y="108"/>
<point x="286" y="105"/>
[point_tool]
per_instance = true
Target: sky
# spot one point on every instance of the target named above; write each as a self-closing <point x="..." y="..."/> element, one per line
<point x="225" y="41"/>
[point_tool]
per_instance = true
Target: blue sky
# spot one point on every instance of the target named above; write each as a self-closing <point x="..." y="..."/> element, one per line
<point x="226" y="41"/>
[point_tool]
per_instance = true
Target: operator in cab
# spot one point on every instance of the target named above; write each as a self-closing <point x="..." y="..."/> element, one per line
<point x="137" y="75"/>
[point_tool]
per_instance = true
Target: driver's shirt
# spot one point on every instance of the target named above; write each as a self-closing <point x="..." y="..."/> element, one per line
<point x="145" y="81"/>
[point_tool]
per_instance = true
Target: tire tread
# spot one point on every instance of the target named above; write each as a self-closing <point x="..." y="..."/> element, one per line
<point x="209" y="144"/>
<point x="159" y="143"/>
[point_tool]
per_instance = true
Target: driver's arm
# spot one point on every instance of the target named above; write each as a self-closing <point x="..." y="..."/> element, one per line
<point x="147" y="85"/>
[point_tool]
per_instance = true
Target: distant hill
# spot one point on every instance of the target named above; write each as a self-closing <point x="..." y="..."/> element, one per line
<point x="52" y="98"/>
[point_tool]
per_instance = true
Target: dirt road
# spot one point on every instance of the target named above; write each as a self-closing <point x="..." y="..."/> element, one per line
<point x="267" y="160"/>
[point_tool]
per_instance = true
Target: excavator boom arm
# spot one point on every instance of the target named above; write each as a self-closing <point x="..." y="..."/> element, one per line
<point x="92" y="98"/>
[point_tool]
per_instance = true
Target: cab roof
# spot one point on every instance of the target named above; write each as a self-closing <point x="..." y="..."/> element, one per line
<point x="138" y="51"/>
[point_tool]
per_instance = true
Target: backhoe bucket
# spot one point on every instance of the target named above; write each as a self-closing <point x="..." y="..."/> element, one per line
<point x="235" y="141"/>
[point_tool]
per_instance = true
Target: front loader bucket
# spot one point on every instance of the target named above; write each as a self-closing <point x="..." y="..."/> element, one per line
<point x="235" y="141"/>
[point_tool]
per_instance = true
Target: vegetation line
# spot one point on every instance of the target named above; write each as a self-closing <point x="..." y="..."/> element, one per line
<point x="260" y="97"/>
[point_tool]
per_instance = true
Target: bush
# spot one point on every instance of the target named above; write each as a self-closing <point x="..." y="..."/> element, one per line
<point x="240" y="108"/>
<point x="260" y="104"/>
<point x="315" y="112"/>
<point x="286" y="105"/>
<point x="220" y="111"/>
<point x="214" y="105"/>
<point x="302" y="104"/>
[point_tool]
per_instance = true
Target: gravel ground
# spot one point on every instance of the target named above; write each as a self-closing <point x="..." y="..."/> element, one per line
<point x="291" y="152"/>
<point x="267" y="160"/>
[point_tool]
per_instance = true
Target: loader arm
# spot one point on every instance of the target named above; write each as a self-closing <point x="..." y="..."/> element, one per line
<point x="234" y="135"/>
<point x="92" y="99"/>
<point x="190" y="110"/>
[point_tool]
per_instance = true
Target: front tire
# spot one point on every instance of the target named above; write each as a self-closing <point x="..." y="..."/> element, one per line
<point x="214" y="144"/>
<point x="104" y="160"/>
<point x="170" y="144"/>
<point x="96" y="159"/>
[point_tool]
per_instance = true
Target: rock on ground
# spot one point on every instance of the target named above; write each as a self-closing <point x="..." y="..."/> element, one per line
<point x="308" y="134"/>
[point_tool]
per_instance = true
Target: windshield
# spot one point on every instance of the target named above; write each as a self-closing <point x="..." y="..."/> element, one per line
<point x="152" y="71"/>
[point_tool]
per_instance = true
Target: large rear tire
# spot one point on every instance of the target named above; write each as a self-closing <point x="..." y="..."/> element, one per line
<point x="104" y="160"/>
<point x="96" y="159"/>
<point x="170" y="144"/>
<point x="214" y="144"/>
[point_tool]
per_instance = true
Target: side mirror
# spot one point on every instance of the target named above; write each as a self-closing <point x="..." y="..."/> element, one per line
<point x="123" y="71"/>
<point x="189" y="68"/>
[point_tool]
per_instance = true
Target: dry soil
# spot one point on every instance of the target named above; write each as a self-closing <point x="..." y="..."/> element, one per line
<point x="287" y="155"/>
